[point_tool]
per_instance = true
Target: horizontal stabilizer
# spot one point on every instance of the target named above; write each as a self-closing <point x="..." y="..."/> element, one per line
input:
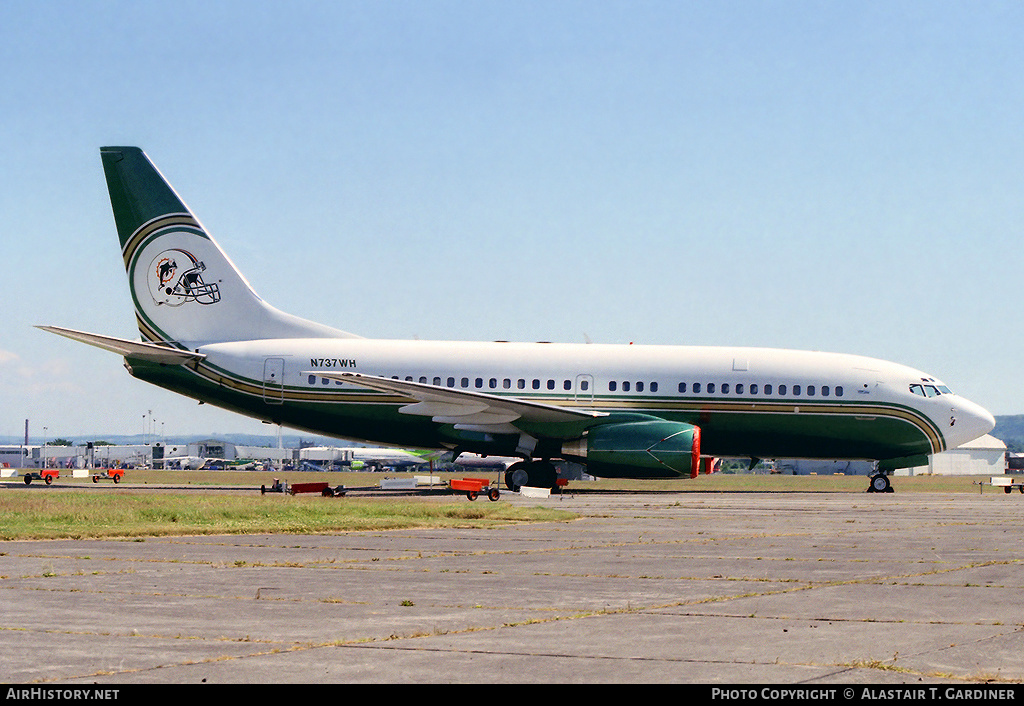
<point x="129" y="349"/>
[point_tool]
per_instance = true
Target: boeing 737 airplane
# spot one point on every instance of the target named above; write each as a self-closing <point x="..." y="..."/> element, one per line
<point x="626" y="411"/>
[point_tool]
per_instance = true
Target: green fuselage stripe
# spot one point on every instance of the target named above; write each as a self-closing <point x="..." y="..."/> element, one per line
<point x="775" y="420"/>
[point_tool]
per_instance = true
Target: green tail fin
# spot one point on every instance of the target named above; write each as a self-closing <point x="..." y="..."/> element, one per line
<point x="184" y="287"/>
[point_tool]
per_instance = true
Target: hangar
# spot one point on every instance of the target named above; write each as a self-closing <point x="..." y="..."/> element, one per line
<point x="983" y="456"/>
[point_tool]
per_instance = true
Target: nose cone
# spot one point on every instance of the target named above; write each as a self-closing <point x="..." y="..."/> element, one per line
<point x="968" y="421"/>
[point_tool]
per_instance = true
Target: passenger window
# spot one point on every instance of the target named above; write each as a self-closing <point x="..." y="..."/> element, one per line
<point x="625" y="386"/>
<point x="437" y="382"/>
<point x="654" y="387"/>
<point x="782" y="389"/>
<point x="584" y="385"/>
<point x="507" y="384"/>
<point x="725" y="388"/>
<point x="536" y="384"/>
<point x="796" y="390"/>
<point x="639" y="387"/>
<point x="768" y="389"/>
<point x="682" y="387"/>
<point x="567" y="385"/>
<point x="711" y="388"/>
<point x="739" y="388"/>
<point x="521" y="384"/>
<point x="612" y="385"/>
<point x="824" y="390"/>
<point x="810" y="390"/>
<point x="479" y="382"/>
<point x="551" y="384"/>
<point x="839" y="390"/>
<point x="696" y="387"/>
<point x="492" y="383"/>
<point x="753" y="388"/>
<point x="465" y="382"/>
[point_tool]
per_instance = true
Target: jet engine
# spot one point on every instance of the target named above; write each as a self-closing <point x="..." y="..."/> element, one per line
<point x="653" y="448"/>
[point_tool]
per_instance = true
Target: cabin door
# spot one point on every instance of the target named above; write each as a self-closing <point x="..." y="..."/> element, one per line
<point x="585" y="389"/>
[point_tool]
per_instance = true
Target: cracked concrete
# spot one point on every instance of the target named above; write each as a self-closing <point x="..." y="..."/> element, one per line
<point x="684" y="587"/>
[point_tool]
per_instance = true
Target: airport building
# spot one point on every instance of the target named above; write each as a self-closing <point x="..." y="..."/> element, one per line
<point x="985" y="456"/>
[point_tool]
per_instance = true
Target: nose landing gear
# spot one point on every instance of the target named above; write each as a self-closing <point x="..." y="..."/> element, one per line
<point x="879" y="483"/>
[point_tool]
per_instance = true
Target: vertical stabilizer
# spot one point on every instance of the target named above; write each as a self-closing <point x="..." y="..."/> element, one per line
<point x="185" y="289"/>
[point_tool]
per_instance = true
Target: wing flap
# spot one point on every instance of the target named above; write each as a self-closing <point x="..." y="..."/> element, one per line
<point x="464" y="407"/>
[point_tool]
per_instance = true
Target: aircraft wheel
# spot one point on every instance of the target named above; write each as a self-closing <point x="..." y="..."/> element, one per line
<point x="543" y="474"/>
<point x="517" y="476"/>
<point x="879" y="483"/>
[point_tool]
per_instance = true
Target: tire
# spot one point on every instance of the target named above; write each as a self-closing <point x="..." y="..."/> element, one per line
<point x="493" y="494"/>
<point x="517" y="476"/>
<point x="543" y="474"/>
<point x="880" y="484"/>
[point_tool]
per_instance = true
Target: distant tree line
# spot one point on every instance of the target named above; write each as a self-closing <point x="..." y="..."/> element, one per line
<point x="1010" y="430"/>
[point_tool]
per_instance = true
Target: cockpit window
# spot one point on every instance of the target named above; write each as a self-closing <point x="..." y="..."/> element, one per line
<point x="929" y="390"/>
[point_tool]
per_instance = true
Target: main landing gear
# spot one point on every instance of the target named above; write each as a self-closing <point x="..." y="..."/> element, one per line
<point x="534" y="474"/>
<point x="879" y="483"/>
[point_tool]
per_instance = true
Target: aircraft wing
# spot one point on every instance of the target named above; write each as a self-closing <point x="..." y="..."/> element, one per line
<point x="468" y="409"/>
<point x="122" y="346"/>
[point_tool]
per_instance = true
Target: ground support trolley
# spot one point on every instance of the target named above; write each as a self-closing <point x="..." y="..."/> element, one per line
<point x="324" y="489"/>
<point x="115" y="475"/>
<point x="47" y="476"/>
<point x="472" y="487"/>
<point x="1008" y="483"/>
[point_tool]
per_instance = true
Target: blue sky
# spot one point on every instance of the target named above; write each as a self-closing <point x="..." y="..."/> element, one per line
<point x="840" y="176"/>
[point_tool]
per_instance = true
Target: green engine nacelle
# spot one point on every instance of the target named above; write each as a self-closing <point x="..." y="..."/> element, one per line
<point x="641" y="449"/>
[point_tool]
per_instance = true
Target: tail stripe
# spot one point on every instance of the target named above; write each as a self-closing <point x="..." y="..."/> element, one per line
<point x="159" y="223"/>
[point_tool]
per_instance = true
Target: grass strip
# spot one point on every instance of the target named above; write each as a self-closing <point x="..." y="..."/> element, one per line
<point x="80" y="515"/>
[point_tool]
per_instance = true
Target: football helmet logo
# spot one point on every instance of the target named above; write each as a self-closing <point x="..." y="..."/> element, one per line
<point x="176" y="277"/>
